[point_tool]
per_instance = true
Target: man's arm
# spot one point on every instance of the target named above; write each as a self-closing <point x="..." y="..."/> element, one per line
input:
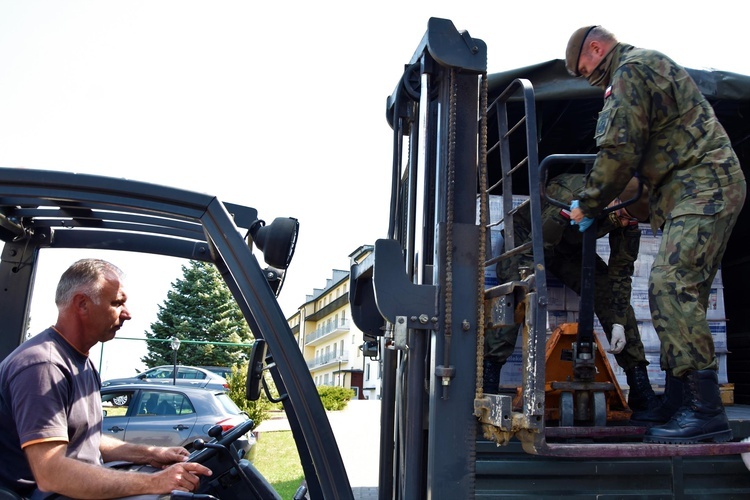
<point x="55" y="472"/>
<point x="622" y="134"/>
<point x="113" y="449"/>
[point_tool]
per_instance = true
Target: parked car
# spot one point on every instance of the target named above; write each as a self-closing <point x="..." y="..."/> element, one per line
<point x="170" y="415"/>
<point x="224" y="371"/>
<point x="186" y="375"/>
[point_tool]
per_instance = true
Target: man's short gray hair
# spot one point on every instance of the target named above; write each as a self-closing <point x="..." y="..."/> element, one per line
<point x="85" y="276"/>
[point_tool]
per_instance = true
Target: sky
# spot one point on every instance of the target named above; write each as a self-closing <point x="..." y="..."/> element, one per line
<point x="275" y="105"/>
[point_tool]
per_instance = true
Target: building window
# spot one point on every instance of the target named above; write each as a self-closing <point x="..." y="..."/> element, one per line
<point x="367" y="371"/>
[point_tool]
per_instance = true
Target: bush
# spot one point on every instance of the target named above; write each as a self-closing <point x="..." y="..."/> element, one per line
<point x="334" y="397"/>
<point x="256" y="410"/>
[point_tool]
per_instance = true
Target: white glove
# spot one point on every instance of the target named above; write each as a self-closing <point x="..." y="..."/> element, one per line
<point x="746" y="456"/>
<point x="617" y="341"/>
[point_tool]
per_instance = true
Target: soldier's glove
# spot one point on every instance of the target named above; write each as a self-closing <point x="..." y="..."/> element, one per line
<point x="617" y="341"/>
<point x="585" y="223"/>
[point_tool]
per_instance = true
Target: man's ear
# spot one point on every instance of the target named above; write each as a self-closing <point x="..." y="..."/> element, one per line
<point x="81" y="303"/>
<point x="595" y="47"/>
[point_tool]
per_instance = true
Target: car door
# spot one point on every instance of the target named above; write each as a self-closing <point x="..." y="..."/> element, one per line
<point x="191" y="376"/>
<point x="116" y="408"/>
<point x="162" y="418"/>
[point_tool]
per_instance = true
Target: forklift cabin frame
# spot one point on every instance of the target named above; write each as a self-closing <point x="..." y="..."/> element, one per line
<point x="49" y="209"/>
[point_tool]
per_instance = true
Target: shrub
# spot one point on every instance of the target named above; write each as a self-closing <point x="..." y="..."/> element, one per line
<point x="334" y="397"/>
<point x="256" y="410"/>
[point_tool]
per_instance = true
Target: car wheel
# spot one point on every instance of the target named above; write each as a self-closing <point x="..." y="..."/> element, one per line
<point x="120" y="400"/>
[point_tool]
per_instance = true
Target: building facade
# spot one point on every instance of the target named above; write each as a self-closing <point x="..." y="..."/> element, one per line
<point x="331" y="342"/>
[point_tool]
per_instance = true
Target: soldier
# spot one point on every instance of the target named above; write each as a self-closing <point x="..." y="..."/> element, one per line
<point x="656" y="123"/>
<point x="563" y="245"/>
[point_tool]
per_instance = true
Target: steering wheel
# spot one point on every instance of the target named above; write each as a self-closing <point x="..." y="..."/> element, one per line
<point x="244" y="480"/>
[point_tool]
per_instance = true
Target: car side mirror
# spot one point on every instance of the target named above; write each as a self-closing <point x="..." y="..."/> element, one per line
<point x="255" y="370"/>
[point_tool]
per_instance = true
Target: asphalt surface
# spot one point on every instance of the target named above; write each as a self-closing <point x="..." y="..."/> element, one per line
<point x="357" y="432"/>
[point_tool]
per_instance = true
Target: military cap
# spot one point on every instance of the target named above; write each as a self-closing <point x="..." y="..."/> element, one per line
<point x="575" y="46"/>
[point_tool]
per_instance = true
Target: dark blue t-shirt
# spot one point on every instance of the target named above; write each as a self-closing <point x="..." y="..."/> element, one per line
<point x="48" y="392"/>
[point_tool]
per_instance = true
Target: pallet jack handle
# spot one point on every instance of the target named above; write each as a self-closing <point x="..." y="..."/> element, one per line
<point x="583" y="356"/>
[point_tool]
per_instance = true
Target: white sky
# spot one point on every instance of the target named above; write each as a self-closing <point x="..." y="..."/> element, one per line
<point x="275" y="105"/>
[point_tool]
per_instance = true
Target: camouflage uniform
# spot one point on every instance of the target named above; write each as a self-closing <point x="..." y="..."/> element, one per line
<point x="655" y="122"/>
<point x="563" y="245"/>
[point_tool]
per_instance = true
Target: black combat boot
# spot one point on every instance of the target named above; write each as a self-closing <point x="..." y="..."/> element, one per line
<point x="641" y="395"/>
<point x="701" y="416"/>
<point x="668" y="405"/>
<point x="491" y="376"/>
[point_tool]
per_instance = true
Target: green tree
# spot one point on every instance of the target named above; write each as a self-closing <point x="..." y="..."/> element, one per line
<point x="202" y="313"/>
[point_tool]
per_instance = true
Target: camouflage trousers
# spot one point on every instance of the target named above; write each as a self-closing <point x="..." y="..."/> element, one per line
<point x="689" y="256"/>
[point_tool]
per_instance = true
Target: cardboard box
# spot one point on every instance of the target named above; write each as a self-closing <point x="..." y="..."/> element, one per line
<point x="727" y="394"/>
<point x="715" y="309"/>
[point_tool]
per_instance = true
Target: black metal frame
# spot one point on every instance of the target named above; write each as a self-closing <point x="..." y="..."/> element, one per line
<point x="401" y="289"/>
<point x="49" y="209"/>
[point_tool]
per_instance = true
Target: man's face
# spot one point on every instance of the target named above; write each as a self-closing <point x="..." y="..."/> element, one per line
<point x="591" y="56"/>
<point x="110" y="313"/>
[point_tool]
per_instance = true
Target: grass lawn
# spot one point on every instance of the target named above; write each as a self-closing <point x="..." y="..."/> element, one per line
<point x="277" y="459"/>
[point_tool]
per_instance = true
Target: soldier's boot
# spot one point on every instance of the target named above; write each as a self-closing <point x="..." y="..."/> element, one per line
<point x="669" y="403"/>
<point x="641" y="395"/>
<point x="491" y="376"/>
<point x="701" y="416"/>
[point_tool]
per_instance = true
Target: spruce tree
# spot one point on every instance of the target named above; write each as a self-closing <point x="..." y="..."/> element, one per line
<point x="199" y="308"/>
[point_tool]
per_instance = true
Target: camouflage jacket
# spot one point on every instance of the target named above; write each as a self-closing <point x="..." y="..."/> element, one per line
<point x="655" y="122"/>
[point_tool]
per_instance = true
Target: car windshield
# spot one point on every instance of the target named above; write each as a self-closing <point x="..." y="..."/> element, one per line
<point x="227" y="403"/>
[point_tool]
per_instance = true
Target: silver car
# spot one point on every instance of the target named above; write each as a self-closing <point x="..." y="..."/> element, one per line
<point x="186" y="375"/>
<point x="170" y="415"/>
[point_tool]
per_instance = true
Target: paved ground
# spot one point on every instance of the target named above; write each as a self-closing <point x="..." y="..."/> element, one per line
<point x="357" y="432"/>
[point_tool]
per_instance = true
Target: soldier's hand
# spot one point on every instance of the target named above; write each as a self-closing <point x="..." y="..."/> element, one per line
<point x="577" y="217"/>
<point x="617" y="341"/>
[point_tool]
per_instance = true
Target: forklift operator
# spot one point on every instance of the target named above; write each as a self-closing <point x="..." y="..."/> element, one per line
<point x="563" y="254"/>
<point x="50" y="404"/>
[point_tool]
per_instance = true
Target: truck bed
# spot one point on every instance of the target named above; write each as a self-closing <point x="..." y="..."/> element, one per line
<point x="509" y="472"/>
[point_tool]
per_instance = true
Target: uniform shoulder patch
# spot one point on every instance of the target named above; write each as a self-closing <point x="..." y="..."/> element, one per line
<point x="608" y="92"/>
